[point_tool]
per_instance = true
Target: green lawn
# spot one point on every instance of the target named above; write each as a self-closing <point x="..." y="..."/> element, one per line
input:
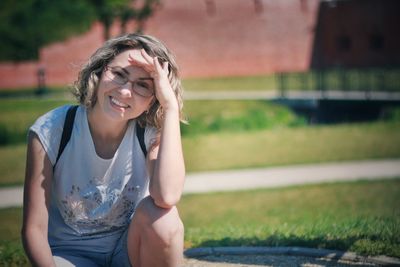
<point x="362" y="217"/>
<point x="16" y="115"/>
<point x="271" y="147"/>
<point x="261" y="82"/>
<point x="284" y="146"/>
<point x="226" y="135"/>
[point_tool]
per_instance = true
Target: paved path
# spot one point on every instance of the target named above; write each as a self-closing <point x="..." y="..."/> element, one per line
<point x="264" y="177"/>
<point x="291" y="175"/>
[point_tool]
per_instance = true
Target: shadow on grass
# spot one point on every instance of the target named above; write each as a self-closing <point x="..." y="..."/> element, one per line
<point x="323" y="250"/>
<point x="290" y="240"/>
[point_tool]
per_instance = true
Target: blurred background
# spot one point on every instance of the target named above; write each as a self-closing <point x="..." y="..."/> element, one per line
<point x="267" y="83"/>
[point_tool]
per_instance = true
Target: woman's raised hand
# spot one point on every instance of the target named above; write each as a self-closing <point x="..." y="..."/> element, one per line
<point x="163" y="90"/>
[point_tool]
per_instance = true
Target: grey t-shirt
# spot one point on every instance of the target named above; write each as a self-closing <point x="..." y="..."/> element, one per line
<point x="91" y="197"/>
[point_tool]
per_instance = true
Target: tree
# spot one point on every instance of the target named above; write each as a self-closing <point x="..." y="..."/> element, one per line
<point x="27" y="25"/>
<point x="108" y="10"/>
<point x="138" y="13"/>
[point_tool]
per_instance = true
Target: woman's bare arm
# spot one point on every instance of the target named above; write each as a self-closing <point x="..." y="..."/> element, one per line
<point x="166" y="163"/>
<point x="38" y="176"/>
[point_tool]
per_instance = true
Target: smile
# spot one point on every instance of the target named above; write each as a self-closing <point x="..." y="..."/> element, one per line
<point x="118" y="103"/>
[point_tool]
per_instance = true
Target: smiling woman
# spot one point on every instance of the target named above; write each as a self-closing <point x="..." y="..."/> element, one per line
<point x="125" y="91"/>
<point x="107" y="200"/>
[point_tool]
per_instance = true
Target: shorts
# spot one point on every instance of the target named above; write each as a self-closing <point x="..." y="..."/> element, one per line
<point x="78" y="258"/>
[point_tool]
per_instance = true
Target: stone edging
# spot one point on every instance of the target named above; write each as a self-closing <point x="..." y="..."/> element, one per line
<point x="292" y="251"/>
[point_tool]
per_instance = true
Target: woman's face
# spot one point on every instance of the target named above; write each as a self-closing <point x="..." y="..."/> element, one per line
<point x="125" y="91"/>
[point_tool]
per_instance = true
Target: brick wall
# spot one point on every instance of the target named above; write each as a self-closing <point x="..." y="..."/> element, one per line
<point x="358" y="33"/>
<point x="209" y="38"/>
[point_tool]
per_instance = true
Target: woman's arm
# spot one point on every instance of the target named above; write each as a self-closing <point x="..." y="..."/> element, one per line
<point x="39" y="172"/>
<point x="166" y="163"/>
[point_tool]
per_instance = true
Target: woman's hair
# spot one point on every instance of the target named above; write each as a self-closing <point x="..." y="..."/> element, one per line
<point x="85" y="88"/>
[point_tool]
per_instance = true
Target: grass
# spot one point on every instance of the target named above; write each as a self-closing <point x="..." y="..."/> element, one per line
<point x="11" y="251"/>
<point x="16" y="115"/>
<point x="261" y="82"/>
<point x="208" y="116"/>
<point x="363" y="217"/>
<point x="284" y="146"/>
<point x="273" y="147"/>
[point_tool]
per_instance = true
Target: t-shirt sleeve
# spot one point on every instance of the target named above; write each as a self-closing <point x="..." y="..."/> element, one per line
<point x="150" y="136"/>
<point x="49" y="128"/>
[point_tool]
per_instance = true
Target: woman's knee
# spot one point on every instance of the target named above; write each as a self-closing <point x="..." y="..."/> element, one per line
<point x="159" y="224"/>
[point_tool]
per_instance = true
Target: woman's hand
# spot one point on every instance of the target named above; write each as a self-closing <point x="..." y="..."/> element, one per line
<point x="163" y="90"/>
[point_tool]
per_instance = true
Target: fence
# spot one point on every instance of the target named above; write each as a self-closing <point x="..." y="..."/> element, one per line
<point x="383" y="80"/>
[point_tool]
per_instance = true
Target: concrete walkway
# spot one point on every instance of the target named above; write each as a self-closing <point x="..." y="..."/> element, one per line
<point x="264" y="177"/>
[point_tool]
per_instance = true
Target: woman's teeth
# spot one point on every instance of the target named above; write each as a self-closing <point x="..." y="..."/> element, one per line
<point x="120" y="104"/>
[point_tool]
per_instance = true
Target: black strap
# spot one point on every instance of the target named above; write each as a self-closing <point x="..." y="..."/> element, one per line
<point x="140" y="135"/>
<point x="67" y="130"/>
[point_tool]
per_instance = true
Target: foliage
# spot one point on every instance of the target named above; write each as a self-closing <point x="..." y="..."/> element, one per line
<point x="27" y="25"/>
<point x="236" y="116"/>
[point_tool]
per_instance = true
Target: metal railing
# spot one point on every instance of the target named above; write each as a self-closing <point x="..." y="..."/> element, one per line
<point x="365" y="80"/>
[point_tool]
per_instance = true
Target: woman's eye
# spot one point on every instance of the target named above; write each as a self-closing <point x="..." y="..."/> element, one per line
<point x="119" y="74"/>
<point x="143" y="84"/>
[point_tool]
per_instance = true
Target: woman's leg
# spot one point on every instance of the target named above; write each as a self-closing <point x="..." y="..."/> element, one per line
<point x="155" y="236"/>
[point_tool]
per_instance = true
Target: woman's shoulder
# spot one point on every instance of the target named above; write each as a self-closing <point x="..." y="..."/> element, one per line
<point x="151" y="135"/>
<point x="53" y="118"/>
<point x="49" y="127"/>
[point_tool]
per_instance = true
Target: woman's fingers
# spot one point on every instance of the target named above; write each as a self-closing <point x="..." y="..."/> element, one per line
<point x="146" y="56"/>
<point x="149" y="64"/>
<point x="165" y="67"/>
<point x="157" y="65"/>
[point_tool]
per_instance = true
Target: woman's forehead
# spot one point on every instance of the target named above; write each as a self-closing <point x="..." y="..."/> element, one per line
<point x="122" y="60"/>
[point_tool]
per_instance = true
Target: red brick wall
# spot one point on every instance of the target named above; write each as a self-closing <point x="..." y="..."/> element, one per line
<point x="62" y="61"/>
<point x="236" y="39"/>
<point x="13" y="75"/>
<point x="369" y="30"/>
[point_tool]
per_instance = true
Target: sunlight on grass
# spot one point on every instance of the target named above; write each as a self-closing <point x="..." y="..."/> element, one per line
<point x="346" y="216"/>
<point x="283" y="146"/>
<point x="273" y="147"/>
<point x="362" y="217"/>
<point x="12" y="164"/>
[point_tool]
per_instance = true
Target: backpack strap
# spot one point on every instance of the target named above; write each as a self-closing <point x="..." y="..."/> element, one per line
<point x="140" y="136"/>
<point x="67" y="130"/>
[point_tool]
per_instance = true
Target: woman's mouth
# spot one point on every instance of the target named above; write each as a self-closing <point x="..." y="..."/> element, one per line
<point x="117" y="103"/>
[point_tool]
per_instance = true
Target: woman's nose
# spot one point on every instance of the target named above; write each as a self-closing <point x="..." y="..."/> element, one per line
<point x="126" y="89"/>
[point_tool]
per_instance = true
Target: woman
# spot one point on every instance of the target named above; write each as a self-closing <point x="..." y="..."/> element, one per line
<point x="109" y="198"/>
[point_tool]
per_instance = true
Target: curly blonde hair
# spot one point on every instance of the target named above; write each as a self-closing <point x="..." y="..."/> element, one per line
<point x="85" y="88"/>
